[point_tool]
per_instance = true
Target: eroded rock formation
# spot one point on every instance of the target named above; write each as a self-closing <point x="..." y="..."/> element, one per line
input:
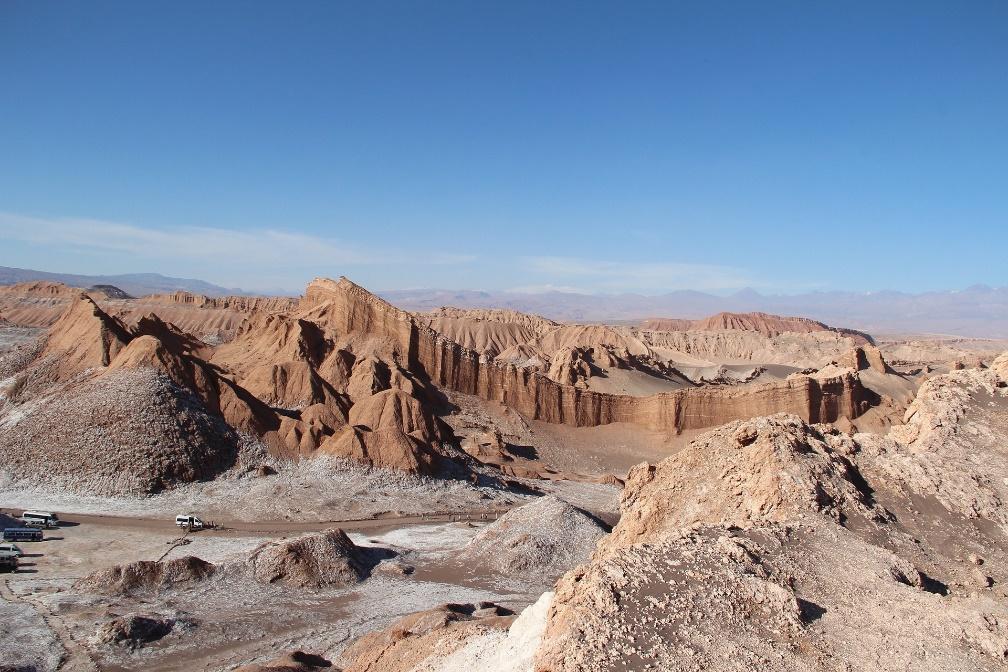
<point x="345" y="307"/>
<point x="342" y="372"/>
<point x="763" y="323"/>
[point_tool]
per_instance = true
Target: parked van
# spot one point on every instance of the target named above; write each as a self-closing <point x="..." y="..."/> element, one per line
<point x="11" y="548"/>
<point x="22" y="534"/>
<point x="45" y="519"/>
<point x="187" y="520"/>
<point x="8" y="562"/>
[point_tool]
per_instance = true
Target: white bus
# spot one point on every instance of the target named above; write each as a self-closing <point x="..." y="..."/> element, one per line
<point x="187" y="520"/>
<point x="45" y="519"/>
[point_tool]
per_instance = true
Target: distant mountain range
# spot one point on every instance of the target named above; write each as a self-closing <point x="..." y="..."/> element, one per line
<point x="977" y="311"/>
<point x="136" y="284"/>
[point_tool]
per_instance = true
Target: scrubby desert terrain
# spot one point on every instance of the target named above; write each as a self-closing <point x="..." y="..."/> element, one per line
<point x="461" y="489"/>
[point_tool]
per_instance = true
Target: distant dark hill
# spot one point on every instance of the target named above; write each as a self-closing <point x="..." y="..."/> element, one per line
<point x="134" y="284"/>
<point x="109" y="292"/>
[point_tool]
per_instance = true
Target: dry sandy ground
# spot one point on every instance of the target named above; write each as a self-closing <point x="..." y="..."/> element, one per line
<point x="612" y="448"/>
<point x="229" y="621"/>
<point x="938" y="349"/>
<point x="232" y="620"/>
<point x="321" y="489"/>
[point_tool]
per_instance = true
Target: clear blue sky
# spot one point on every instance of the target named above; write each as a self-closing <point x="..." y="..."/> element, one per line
<point x="604" y="147"/>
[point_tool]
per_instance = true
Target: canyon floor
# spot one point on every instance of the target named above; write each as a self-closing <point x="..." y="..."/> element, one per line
<point x="487" y="489"/>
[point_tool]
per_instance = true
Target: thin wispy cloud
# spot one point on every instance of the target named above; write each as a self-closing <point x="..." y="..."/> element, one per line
<point x="638" y="277"/>
<point x="245" y="257"/>
<point x="548" y="289"/>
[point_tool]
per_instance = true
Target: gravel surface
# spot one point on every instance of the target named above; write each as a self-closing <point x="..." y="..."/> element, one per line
<point x="128" y="432"/>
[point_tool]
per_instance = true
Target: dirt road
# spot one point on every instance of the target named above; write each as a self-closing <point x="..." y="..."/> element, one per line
<point x="238" y="528"/>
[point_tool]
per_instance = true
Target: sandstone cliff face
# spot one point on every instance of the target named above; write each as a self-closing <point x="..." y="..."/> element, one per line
<point x="864" y="357"/>
<point x="241" y="304"/>
<point x="345" y="307"/>
<point x="85" y="338"/>
<point x="541" y="398"/>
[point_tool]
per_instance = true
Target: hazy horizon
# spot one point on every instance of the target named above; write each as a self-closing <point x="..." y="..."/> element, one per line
<point x="533" y="291"/>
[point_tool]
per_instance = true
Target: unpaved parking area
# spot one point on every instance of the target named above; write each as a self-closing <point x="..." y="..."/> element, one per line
<point x="229" y="620"/>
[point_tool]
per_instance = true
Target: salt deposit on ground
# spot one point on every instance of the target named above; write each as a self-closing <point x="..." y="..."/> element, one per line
<point x="427" y="538"/>
<point x="545" y="536"/>
<point x="500" y="651"/>
<point x="26" y="642"/>
<point x="321" y="488"/>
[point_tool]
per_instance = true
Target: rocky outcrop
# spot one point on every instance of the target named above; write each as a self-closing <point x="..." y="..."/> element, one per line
<point x="546" y="536"/>
<point x="107" y="292"/>
<point x="295" y="661"/>
<point x="968" y="362"/>
<point x="947" y="448"/>
<point x="85" y="337"/>
<point x="774" y="526"/>
<point x="790" y="598"/>
<point x="133" y="631"/>
<point x="428" y="635"/>
<point x="763" y="323"/>
<point x="1000" y="366"/>
<point x="571" y="366"/>
<point x="390" y="429"/>
<point x="768" y="469"/>
<point x="864" y="357"/>
<point x="313" y="561"/>
<point x="274" y="339"/>
<point x="146" y="576"/>
<point x="241" y="304"/>
<point x="278" y="359"/>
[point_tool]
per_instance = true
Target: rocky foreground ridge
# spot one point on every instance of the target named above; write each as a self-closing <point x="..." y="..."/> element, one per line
<point x="774" y="544"/>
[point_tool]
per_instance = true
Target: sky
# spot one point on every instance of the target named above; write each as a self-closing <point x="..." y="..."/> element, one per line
<point x="593" y="147"/>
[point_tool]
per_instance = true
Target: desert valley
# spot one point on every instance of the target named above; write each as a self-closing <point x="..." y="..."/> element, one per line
<point x="503" y="336"/>
<point x="377" y="489"/>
